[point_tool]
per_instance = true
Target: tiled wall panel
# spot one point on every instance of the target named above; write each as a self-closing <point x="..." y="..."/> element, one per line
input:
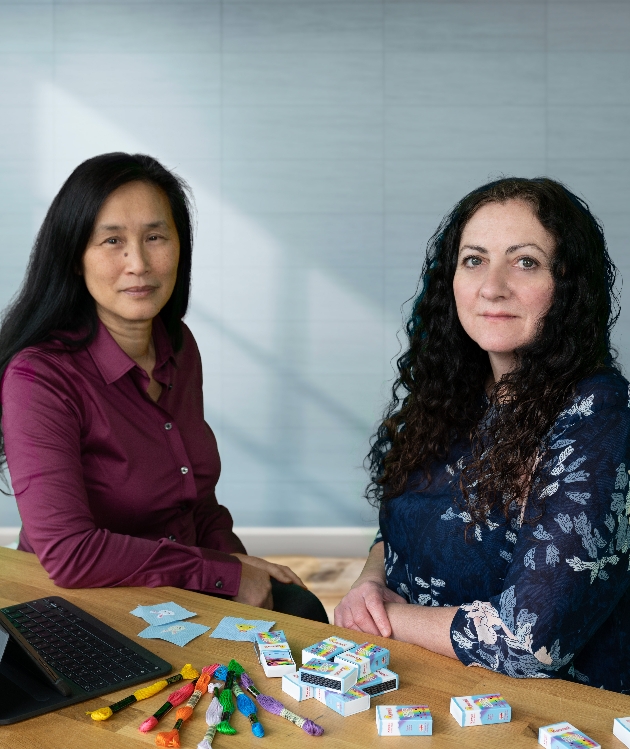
<point x="324" y="140"/>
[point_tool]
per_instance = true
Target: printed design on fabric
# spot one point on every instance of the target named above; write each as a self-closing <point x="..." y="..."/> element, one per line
<point x="427" y="593"/>
<point x="431" y="598"/>
<point x="511" y="537"/>
<point x="504" y="643"/>
<point x="161" y="613"/>
<point x="175" y="628"/>
<point x="391" y="557"/>
<point x="617" y="525"/>
<point x="465" y="517"/>
<point x="581" y="407"/>
<point x="503" y="640"/>
<point x="566" y="466"/>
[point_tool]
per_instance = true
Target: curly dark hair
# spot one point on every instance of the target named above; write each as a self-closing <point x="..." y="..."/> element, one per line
<point x="437" y="396"/>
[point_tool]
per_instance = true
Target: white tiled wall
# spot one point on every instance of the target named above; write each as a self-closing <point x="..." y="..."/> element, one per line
<point x="324" y="140"/>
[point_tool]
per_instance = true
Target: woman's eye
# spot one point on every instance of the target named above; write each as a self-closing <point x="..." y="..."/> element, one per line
<point x="111" y="240"/>
<point x="472" y="261"/>
<point x="528" y="262"/>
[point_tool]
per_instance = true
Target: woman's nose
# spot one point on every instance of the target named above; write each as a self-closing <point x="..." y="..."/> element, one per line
<point x="137" y="258"/>
<point x="495" y="282"/>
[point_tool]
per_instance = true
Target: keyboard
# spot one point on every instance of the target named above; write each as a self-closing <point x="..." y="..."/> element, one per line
<point x="79" y="647"/>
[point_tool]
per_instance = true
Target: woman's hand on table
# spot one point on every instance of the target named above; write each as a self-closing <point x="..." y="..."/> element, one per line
<point x="256" y="574"/>
<point x="363" y="608"/>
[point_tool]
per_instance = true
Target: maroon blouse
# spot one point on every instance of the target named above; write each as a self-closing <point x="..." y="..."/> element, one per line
<point x="113" y="488"/>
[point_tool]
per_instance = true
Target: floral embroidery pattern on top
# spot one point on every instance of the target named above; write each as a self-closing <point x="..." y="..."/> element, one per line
<point x="535" y="597"/>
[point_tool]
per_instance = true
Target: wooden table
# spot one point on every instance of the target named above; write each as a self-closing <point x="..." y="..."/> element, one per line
<point x="425" y="678"/>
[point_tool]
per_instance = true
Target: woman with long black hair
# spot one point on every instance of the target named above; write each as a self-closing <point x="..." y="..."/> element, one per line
<point x="501" y="464"/>
<point x="112" y="464"/>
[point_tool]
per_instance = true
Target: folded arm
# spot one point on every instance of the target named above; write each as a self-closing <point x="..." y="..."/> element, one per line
<point x="568" y="569"/>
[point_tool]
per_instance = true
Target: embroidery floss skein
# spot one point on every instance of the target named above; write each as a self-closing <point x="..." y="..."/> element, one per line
<point x="227" y="703"/>
<point x="174" y="699"/>
<point x="277" y="708"/>
<point x="221" y="673"/>
<point x="171" y="738"/>
<point x="213" y="716"/>
<point x="236" y="667"/>
<point x="103" y="713"/>
<point x="210" y="670"/>
<point x="246" y="706"/>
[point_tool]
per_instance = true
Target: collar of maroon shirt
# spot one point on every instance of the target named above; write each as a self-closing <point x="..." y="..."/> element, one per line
<point x="112" y="362"/>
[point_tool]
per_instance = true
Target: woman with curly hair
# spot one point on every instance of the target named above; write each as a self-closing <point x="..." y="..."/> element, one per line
<point x="501" y="465"/>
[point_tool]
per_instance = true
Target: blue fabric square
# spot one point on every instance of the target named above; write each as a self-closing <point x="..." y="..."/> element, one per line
<point x="243" y="630"/>
<point x="162" y="613"/>
<point x="179" y="633"/>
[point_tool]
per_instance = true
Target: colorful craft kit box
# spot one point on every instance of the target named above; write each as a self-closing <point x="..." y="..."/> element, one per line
<point x="277" y="662"/>
<point x="366" y="657"/>
<point x="565" y="736"/>
<point x="292" y="685"/>
<point x="480" y="710"/>
<point x="621" y="729"/>
<point x="274" y="653"/>
<point x="404" y="720"/>
<point x="270" y="639"/>
<point x="338" y="677"/>
<point x="349" y="703"/>
<point x="327" y="649"/>
<point x="379" y="682"/>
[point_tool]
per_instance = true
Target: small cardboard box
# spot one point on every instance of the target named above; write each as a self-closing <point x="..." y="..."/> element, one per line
<point x="621" y="729"/>
<point x="366" y="657"/>
<point x="565" y="736"/>
<point x="349" y="703"/>
<point x="404" y="720"/>
<point x="277" y="662"/>
<point x="270" y="639"/>
<point x="480" y="710"/>
<point x="327" y="649"/>
<point x="292" y="685"/>
<point x="379" y="682"/>
<point x="338" y="677"/>
<point x="274" y="653"/>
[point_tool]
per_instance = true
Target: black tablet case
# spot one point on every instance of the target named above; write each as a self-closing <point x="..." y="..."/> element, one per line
<point x="24" y="690"/>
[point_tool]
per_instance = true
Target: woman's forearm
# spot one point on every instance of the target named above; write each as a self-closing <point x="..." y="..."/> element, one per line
<point x="427" y="626"/>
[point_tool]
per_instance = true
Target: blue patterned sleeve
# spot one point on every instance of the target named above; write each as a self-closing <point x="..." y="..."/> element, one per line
<point x="568" y="569"/>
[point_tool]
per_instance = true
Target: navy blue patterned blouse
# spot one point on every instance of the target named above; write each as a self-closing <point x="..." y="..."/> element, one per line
<point x="542" y="599"/>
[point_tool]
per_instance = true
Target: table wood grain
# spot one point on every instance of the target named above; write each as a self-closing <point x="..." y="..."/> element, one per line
<point x="425" y="678"/>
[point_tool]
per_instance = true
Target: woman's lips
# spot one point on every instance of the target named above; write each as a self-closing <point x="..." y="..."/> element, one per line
<point x="139" y="291"/>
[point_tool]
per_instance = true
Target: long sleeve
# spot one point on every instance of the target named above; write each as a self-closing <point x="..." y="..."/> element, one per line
<point x="568" y="569"/>
<point x="213" y="526"/>
<point x="99" y="505"/>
